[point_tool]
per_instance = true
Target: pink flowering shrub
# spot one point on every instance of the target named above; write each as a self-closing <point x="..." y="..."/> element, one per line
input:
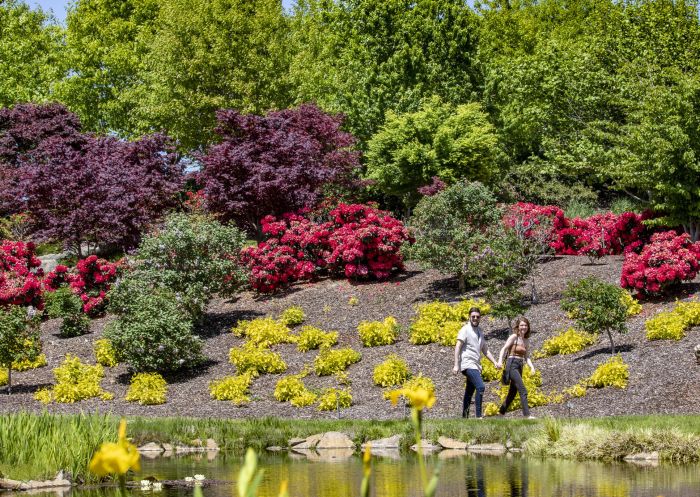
<point x="90" y="280"/>
<point x="20" y="275"/>
<point x="666" y="260"/>
<point x="357" y="242"/>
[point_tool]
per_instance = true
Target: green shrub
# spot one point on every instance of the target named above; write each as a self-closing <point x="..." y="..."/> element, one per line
<point x="568" y="342"/>
<point x="672" y="325"/>
<point x="147" y="389"/>
<point x="250" y="359"/>
<point x="329" y="362"/>
<point x="612" y="373"/>
<point x="155" y="333"/>
<point x="233" y="388"/>
<point x="75" y="381"/>
<point x="292" y="316"/>
<point x="374" y="333"/>
<point x="63" y="303"/>
<point x="19" y="338"/>
<point x="105" y="353"/>
<point x="333" y="398"/>
<point x="393" y="371"/>
<point x="3" y="377"/>
<point x="28" y="363"/>
<point x="312" y="338"/>
<point x="440" y="322"/>
<point x="263" y="332"/>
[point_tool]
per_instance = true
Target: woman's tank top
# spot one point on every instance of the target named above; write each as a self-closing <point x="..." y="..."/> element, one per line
<point x="518" y="349"/>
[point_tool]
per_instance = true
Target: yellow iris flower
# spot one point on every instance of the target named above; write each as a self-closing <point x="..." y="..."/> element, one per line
<point x="420" y="398"/>
<point x="117" y="457"/>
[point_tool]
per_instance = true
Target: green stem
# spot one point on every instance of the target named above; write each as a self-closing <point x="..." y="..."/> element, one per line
<point x="416" y="417"/>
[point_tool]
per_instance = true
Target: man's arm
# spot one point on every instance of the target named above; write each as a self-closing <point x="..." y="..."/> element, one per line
<point x="485" y="350"/>
<point x="458" y="353"/>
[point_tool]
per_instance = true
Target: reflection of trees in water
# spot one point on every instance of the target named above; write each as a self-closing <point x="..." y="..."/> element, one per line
<point x="510" y="478"/>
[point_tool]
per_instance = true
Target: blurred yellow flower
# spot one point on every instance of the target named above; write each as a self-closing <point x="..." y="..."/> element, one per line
<point x="117" y="457"/>
<point x="420" y="398"/>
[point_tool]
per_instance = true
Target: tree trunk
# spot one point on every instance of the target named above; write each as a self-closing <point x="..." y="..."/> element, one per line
<point x="612" y="344"/>
<point x="693" y="229"/>
<point x="462" y="284"/>
<point x="9" y="379"/>
<point x="533" y="292"/>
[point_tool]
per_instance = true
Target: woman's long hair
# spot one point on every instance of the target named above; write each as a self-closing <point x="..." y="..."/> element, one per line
<point x="522" y="319"/>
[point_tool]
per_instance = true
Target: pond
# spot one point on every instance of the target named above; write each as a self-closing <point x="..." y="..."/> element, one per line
<point x="464" y="476"/>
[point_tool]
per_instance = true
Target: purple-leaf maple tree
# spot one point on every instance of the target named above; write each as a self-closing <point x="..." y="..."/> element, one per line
<point x="275" y="163"/>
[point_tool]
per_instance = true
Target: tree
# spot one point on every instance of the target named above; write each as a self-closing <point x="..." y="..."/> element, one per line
<point x="31" y="54"/>
<point x="596" y="307"/>
<point x="18" y="340"/>
<point x="364" y="57"/>
<point x="269" y="165"/>
<point x="451" y="229"/>
<point x="443" y="140"/>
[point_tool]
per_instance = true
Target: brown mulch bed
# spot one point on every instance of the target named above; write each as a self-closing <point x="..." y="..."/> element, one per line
<point x="664" y="376"/>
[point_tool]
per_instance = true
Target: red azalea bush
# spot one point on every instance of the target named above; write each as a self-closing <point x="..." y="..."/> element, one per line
<point x="20" y="275"/>
<point x="91" y="280"/>
<point x="357" y="241"/>
<point x="666" y="260"/>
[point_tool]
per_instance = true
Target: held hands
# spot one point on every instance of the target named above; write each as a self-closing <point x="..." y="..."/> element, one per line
<point x="499" y="365"/>
<point x="455" y="369"/>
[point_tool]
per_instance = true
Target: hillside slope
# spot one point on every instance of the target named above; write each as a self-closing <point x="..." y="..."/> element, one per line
<point x="664" y="376"/>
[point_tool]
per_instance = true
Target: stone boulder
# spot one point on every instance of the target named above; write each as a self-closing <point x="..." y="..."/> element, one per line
<point x="494" y="449"/>
<point x="392" y="442"/>
<point x="427" y="447"/>
<point x="450" y="443"/>
<point x="335" y="440"/>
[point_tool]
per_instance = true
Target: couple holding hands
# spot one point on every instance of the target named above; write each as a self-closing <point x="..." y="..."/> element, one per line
<point x="471" y="344"/>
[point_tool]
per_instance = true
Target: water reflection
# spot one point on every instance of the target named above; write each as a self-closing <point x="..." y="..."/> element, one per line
<point x="461" y="476"/>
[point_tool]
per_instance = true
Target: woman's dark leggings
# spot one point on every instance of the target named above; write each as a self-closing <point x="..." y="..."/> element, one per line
<point x="515" y="367"/>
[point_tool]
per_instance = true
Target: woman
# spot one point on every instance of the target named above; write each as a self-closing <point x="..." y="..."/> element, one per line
<point x="517" y="346"/>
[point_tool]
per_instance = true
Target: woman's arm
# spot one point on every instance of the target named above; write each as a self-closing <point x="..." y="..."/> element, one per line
<point x="506" y="346"/>
<point x="527" y="356"/>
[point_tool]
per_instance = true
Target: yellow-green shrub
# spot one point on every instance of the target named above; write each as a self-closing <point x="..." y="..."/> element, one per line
<point x="292" y="316"/>
<point x="489" y="371"/>
<point x="612" y="373"/>
<point x="105" y="353"/>
<point x="329" y="362"/>
<point x="304" y="399"/>
<point x="535" y="395"/>
<point x="414" y="383"/>
<point x="312" y="338"/>
<point x="74" y="381"/>
<point x="233" y="388"/>
<point x="289" y="387"/>
<point x="633" y="306"/>
<point x="333" y="397"/>
<point x="578" y="390"/>
<point x="256" y="360"/>
<point x="353" y="301"/>
<point x="393" y="371"/>
<point x="147" y="389"/>
<point x="567" y="342"/>
<point x="440" y="322"/>
<point x="373" y="333"/>
<point x="672" y="325"/>
<point x="3" y="377"/>
<point x="26" y="364"/>
<point x="263" y="332"/>
<point x="342" y="377"/>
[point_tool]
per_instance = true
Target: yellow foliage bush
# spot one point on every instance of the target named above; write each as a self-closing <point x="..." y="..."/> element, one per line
<point x="578" y="390"/>
<point x="343" y="378"/>
<point x="263" y="332"/>
<point x="489" y="371"/>
<point x="393" y="371"/>
<point x="329" y="362"/>
<point x="567" y="342"/>
<point x="304" y="399"/>
<point x="292" y="316"/>
<point x="535" y="395"/>
<point x="612" y="373"/>
<point x="353" y="301"/>
<point x="440" y="322"/>
<point x="312" y="338"/>
<point x="26" y="364"/>
<point x="256" y="360"/>
<point x="631" y="304"/>
<point x="289" y="387"/>
<point x="147" y="389"/>
<point x="74" y="381"/>
<point x="233" y="388"/>
<point x="105" y="353"/>
<point x="3" y="377"/>
<point x="373" y="333"/>
<point x="672" y="325"/>
<point x="414" y="383"/>
<point x="333" y="398"/>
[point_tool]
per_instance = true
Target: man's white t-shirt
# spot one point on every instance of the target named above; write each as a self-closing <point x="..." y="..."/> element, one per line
<point x="473" y="345"/>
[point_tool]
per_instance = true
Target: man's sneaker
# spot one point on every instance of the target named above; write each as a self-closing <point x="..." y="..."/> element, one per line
<point x="532" y="417"/>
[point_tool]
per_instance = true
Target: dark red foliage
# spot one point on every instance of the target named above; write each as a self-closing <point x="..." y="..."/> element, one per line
<point x="435" y="187"/>
<point x="356" y="242"/>
<point x="20" y="275"/>
<point x="269" y="165"/>
<point x="668" y="259"/>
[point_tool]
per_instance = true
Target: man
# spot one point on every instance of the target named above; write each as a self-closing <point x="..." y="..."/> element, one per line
<point x="470" y="345"/>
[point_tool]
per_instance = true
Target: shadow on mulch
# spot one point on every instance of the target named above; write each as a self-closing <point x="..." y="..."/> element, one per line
<point x="21" y="388"/>
<point x="605" y="350"/>
<point x="202" y="369"/>
<point x="219" y="323"/>
<point x="445" y="288"/>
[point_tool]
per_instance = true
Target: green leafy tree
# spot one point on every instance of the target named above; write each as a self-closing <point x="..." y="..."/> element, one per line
<point x="19" y="339"/>
<point x="596" y="307"/>
<point x="451" y="229"/>
<point x="364" y="57"/>
<point x="440" y="139"/>
<point x="30" y="54"/>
